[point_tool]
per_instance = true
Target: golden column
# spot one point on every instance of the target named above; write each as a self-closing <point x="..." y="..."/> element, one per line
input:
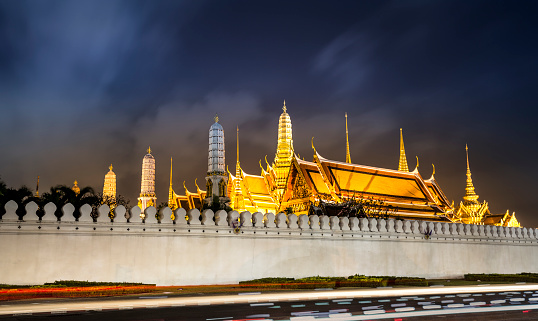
<point x="402" y="164"/>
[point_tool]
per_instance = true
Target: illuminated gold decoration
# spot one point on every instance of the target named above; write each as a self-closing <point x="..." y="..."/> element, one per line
<point x="293" y="183"/>
<point x="471" y="211"/>
<point x="402" y="164"/>
<point x="283" y="157"/>
<point x="37" y="187"/>
<point x="109" y="186"/>
<point x="172" y="204"/>
<point x="470" y="197"/>
<point x="147" y="187"/>
<point x="348" y="155"/>
<point x="238" y="200"/>
<point x="75" y="188"/>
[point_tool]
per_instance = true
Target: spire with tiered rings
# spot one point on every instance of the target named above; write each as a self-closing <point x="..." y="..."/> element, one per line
<point x="470" y="195"/>
<point x="171" y="194"/>
<point x="402" y="164"/>
<point x="284" y="152"/>
<point x="348" y="155"/>
<point x="239" y="200"/>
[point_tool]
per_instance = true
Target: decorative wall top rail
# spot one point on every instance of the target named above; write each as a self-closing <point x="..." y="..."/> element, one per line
<point x="246" y="221"/>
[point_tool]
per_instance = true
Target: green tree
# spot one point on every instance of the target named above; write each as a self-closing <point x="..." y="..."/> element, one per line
<point x="61" y="195"/>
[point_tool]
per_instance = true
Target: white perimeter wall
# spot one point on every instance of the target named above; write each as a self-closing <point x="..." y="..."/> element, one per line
<point x="34" y="252"/>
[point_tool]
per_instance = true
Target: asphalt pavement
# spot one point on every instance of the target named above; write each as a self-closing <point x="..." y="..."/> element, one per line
<point x="485" y="302"/>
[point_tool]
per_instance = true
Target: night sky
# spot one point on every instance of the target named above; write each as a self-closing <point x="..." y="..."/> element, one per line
<point x="84" y="84"/>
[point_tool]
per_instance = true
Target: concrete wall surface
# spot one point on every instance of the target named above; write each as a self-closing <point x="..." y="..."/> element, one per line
<point x="211" y="248"/>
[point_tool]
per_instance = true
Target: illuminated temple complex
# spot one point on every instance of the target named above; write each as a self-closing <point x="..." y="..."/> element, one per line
<point x="291" y="184"/>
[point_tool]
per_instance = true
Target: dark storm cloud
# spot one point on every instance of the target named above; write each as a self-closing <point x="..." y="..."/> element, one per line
<point x="88" y="83"/>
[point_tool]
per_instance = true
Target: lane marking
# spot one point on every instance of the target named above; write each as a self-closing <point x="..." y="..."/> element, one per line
<point x="298" y="305"/>
<point x="468" y="300"/>
<point x="372" y="307"/>
<point x="396" y="305"/>
<point x="447" y="301"/>
<point x="517" y="299"/>
<point x="425" y="303"/>
<point x="342" y="300"/>
<point x="455" y="305"/>
<point x="322" y="303"/>
<point x="369" y="312"/>
<point x="261" y="304"/>
<point x="430" y="307"/>
<point x="498" y="301"/>
<point x="405" y="309"/>
<point x="477" y="303"/>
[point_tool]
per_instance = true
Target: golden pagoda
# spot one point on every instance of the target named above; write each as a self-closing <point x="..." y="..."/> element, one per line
<point x="109" y="187"/>
<point x="147" y="187"/>
<point x="471" y="211"/>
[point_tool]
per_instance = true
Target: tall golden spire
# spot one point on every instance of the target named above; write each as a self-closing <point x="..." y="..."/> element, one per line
<point x="402" y="165"/>
<point x="348" y="155"/>
<point x="284" y="153"/>
<point x="470" y="195"/>
<point x="37" y="187"/>
<point x="171" y="198"/>
<point x="149" y="149"/>
<point x="238" y="200"/>
<point x="237" y="143"/>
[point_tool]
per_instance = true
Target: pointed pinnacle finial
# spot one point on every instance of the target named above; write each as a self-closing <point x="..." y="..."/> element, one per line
<point x="348" y="155"/>
<point x="284" y="108"/>
<point x="75" y="182"/>
<point x="402" y="164"/>
<point x="467" y="153"/>
<point x="470" y="195"/>
<point x="110" y="167"/>
<point x="216" y="118"/>
<point x="170" y="171"/>
<point x="149" y="149"/>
